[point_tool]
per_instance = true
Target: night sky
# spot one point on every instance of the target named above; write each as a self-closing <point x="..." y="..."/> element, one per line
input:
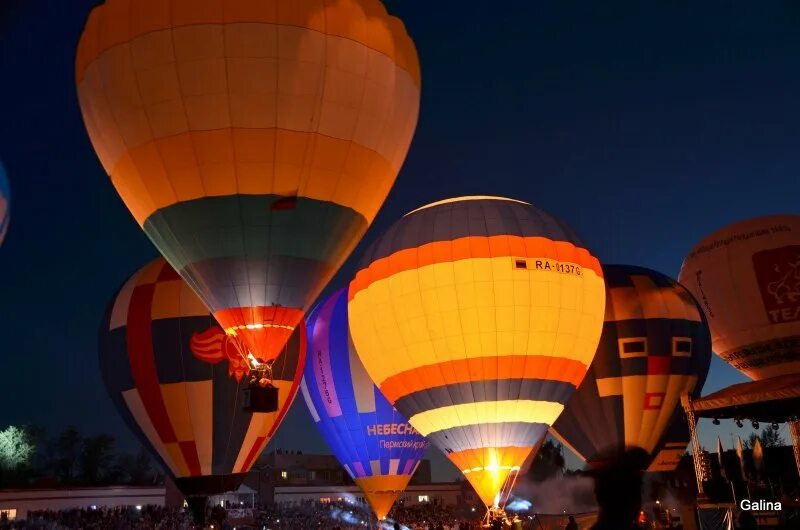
<point x="645" y="127"/>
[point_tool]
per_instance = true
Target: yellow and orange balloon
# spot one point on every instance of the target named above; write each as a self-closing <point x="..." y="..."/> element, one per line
<point x="253" y="140"/>
<point x="478" y="317"/>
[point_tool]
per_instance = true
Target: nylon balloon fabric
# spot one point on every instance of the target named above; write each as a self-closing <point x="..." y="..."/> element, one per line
<point x="672" y="447"/>
<point x="253" y="140"/>
<point x="654" y="347"/>
<point x="5" y="204"/>
<point x="375" y="444"/>
<point x="478" y="317"/>
<point x="747" y="279"/>
<point x="164" y="364"/>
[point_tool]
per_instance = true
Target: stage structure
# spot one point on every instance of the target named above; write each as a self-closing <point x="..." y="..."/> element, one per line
<point x="768" y="401"/>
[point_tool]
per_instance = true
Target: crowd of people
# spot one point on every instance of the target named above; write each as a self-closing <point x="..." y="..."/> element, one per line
<point x="302" y="516"/>
<point x="349" y="516"/>
<point x="124" y="518"/>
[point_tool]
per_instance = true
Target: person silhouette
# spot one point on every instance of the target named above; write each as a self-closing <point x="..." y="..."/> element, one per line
<point x="617" y="478"/>
<point x="571" y="524"/>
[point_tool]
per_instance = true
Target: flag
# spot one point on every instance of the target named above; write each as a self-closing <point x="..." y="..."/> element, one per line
<point x="758" y="458"/>
<point x="740" y="455"/>
<point x="720" y="459"/>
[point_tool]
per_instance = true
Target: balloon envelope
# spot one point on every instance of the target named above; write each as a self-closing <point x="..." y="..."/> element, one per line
<point x="253" y="140"/>
<point x="478" y="317"/>
<point x="5" y="204"/>
<point x="375" y="444"/>
<point x="655" y="346"/>
<point x="672" y="446"/>
<point x="747" y="279"/>
<point x="163" y="362"/>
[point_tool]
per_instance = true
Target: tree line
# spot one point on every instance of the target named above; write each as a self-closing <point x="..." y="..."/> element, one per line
<point x="29" y="457"/>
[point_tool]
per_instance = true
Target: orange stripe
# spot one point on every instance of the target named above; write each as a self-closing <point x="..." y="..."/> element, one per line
<point x="365" y="22"/>
<point x="254" y="451"/>
<point x="482" y="368"/>
<point x="473" y="247"/>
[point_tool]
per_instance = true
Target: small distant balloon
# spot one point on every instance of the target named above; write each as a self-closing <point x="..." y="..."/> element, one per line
<point x="5" y="204"/>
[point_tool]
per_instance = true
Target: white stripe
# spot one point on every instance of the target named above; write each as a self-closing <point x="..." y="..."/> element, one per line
<point x="375" y="467"/>
<point x="309" y="403"/>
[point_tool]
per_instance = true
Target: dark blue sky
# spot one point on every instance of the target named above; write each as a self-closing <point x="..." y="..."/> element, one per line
<point x="645" y="127"/>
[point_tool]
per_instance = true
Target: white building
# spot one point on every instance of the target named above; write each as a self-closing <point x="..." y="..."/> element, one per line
<point x="17" y="503"/>
<point x="440" y="494"/>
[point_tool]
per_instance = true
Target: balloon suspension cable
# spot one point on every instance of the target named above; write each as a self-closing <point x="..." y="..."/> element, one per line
<point x="260" y="372"/>
<point x="495" y="513"/>
<point x="498" y="510"/>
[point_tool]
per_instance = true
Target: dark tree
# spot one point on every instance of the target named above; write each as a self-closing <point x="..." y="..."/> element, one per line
<point x="549" y="462"/>
<point x="96" y="460"/>
<point x="136" y="469"/>
<point x="769" y="438"/>
<point x="65" y="450"/>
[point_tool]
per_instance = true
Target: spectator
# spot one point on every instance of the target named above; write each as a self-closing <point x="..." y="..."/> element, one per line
<point x="571" y="524"/>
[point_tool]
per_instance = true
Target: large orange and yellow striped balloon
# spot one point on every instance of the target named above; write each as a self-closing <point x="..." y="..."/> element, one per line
<point x="253" y="140"/>
<point x="478" y="317"/>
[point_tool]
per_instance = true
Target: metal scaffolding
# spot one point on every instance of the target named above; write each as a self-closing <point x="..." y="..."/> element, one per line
<point x="697" y="451"/>
<point x="794" y="428"/>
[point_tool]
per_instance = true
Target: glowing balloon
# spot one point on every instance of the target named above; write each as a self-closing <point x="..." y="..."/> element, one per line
<point x="478" y="317"/>
<point x="5" y="204"/>
<point x="375" y="444"/>
<point x="747" y="279"/>
<point x="654" y="347"/>
<point x="253" y="140"/>
<point x="164" y="364"/>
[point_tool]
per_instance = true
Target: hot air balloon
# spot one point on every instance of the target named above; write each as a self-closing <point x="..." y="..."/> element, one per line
<point x="5" y="204"/>
<point x="253" y="141"/>
<point x="672" y="447"/>
<point x="747" y="279"/>
<point x="655" y="346"/>
<point x="375" y="444"/>
<point x="478" y="317"/>
<point x="164" y="363"/>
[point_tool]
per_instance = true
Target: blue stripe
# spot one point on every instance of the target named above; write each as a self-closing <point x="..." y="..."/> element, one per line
<point x="356" y="438"/>
<point x="485" y="390"/>
<point x="509" y="434"/>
